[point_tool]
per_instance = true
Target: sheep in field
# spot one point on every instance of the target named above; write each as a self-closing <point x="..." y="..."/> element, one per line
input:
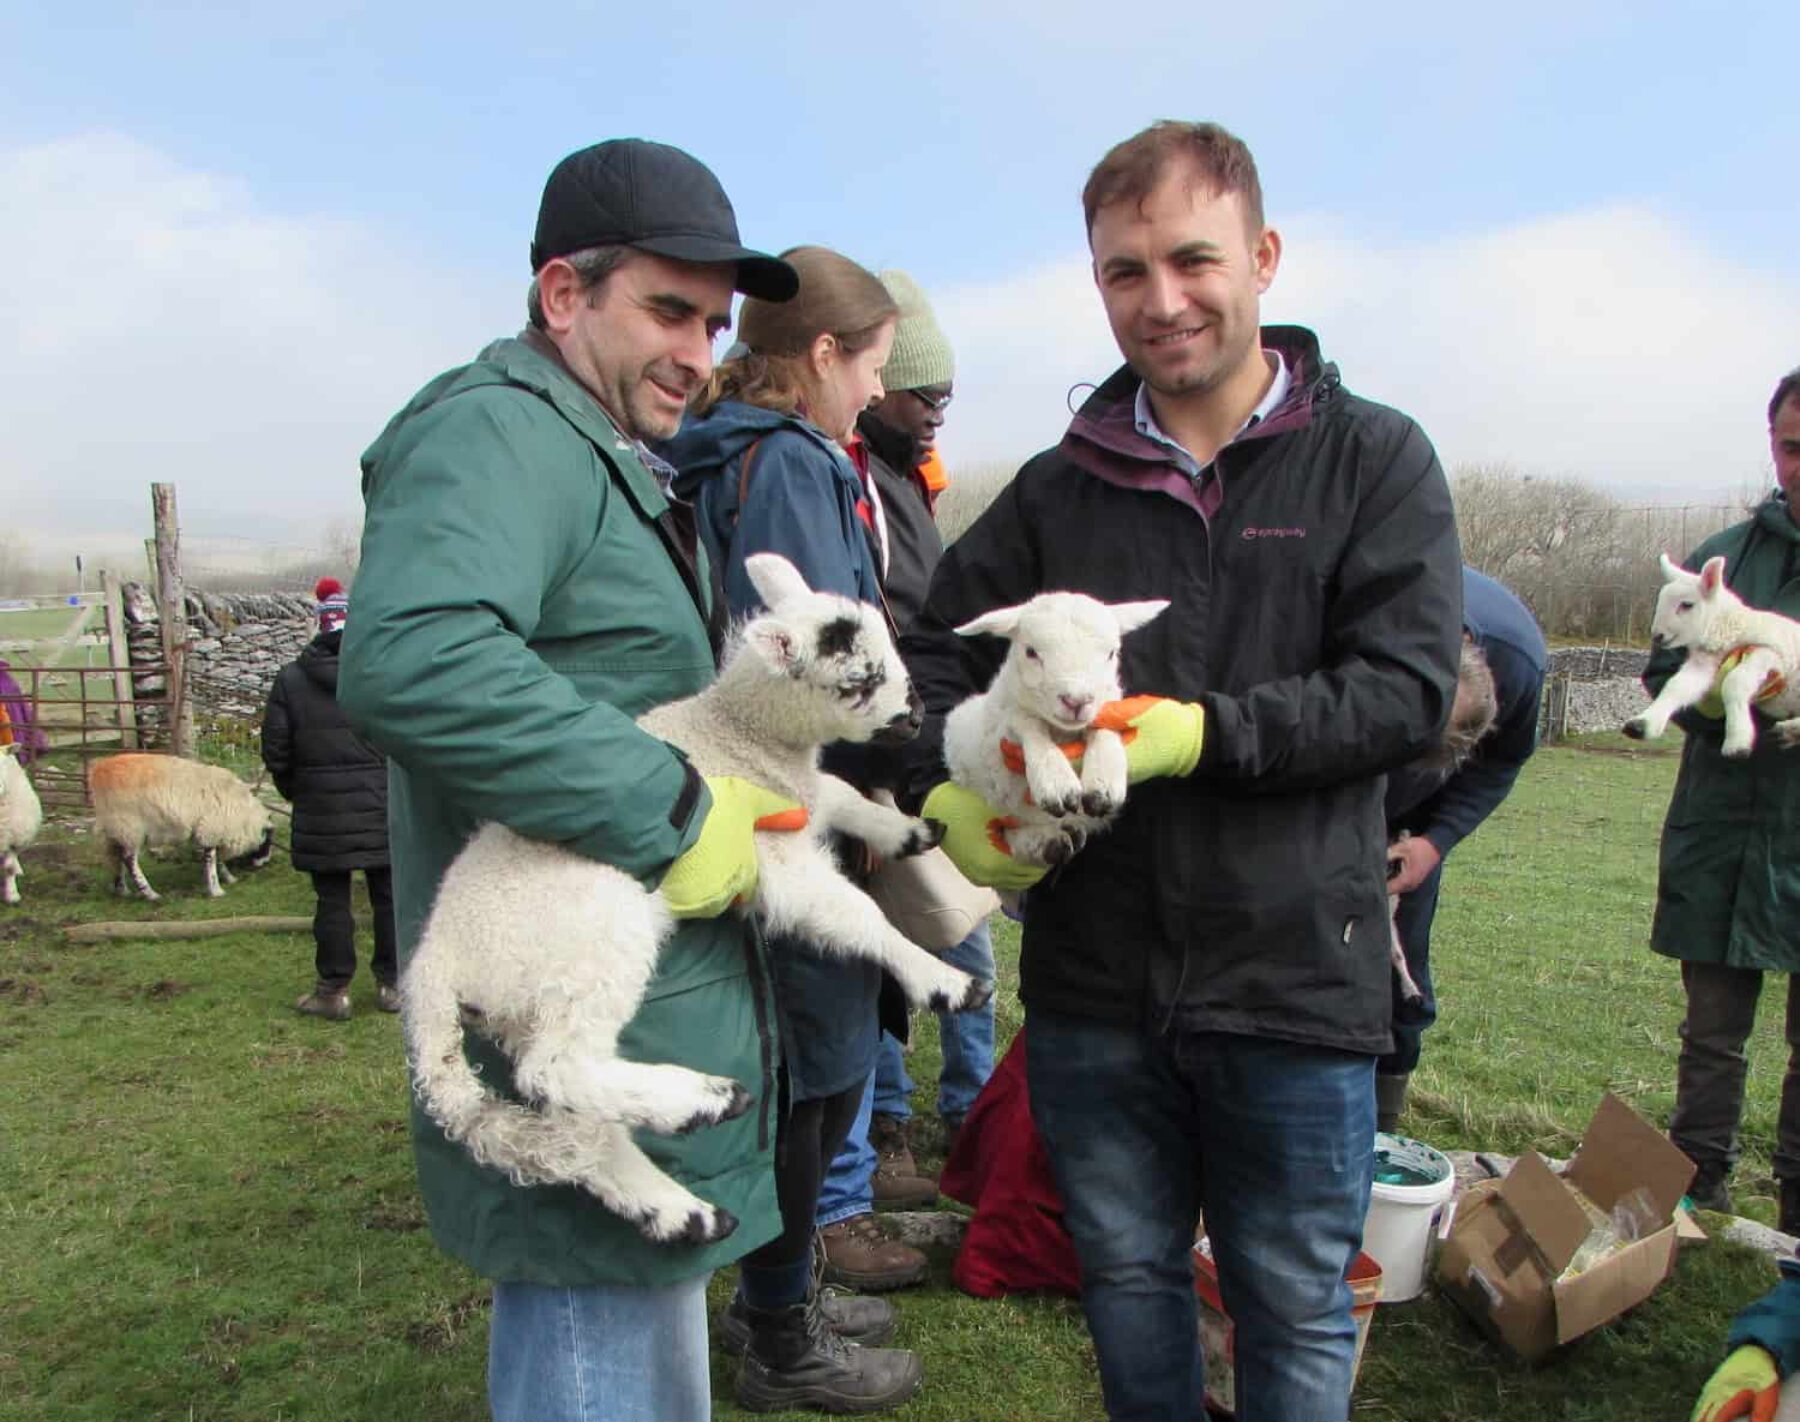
<point x="1698" y="613"/>
<point x="1011" y="744"/>
<point x="550" y="952"/>
<point x="160" y="799"/>
<point x="20" y="817"/>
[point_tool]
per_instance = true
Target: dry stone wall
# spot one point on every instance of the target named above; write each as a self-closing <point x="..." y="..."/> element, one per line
<point x="237" y="643"/>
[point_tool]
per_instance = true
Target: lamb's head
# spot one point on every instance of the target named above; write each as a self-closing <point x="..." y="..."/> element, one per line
<point x="836" y="650"/>
<point x="1064" y="660"/>
<point x="1689" y="604"/>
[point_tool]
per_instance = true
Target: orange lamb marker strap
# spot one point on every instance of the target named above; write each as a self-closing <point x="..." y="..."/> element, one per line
<point x="997" y="828"/>
<point x="1013" y="754"/>
<point x="784" y="821"/>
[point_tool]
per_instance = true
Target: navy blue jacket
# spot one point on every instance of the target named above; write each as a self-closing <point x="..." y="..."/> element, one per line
<point x="800" y="501"/>
<point x="1508" y="635"/>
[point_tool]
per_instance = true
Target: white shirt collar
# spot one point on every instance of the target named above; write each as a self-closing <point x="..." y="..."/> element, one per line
<point x="1145" y="417"/>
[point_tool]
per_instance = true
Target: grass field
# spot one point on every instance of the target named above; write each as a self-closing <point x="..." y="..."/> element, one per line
<point x="209" y="1209"/>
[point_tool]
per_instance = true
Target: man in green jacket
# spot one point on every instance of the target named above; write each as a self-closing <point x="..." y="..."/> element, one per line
<point x="526" y="590"/>
<point x="1728" y="887"/>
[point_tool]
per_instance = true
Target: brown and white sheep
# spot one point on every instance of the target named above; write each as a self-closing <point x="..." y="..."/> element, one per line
<point x="162" y="799"/>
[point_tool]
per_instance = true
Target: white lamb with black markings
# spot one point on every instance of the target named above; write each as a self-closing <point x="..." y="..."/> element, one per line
<point x="551" y="952"/>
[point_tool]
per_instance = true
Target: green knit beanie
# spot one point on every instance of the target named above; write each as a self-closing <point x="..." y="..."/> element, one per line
<point x="921" y="356"/>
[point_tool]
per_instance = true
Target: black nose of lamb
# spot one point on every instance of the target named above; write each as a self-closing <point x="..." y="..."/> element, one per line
<point x="906" y="725"/>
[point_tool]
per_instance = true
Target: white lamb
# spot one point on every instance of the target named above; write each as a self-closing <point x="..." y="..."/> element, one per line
<point x="1699" y="613"/>
<point x="161" y="799"/>
<point x="551" y="952"/>
<point x="1062" y="666"/>
<point x="20" y="817"/>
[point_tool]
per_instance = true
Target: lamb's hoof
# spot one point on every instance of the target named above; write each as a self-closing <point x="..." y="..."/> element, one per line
<point x="1077" y="838"/>
<point x="1058" y="852"/>
<point x="1059" y="806"/>
<point x="977" y="994"/>
<point x="1098" y="803"/>
<point x="1731" y="752"/>
<point x="700" y="1229"/>
<point x="1635" y="728"/>
<point x="734" y="1105"/>
<point x="926" y="835"/>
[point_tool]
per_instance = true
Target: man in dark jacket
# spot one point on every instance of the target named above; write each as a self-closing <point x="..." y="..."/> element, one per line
<point x="1728" y="879"/>
<point x="337" y="784"/>
<point x="1436" y="813"/>
<point x="1207" y="984"/>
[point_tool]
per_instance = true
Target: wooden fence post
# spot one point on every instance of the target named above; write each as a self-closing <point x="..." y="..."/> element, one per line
<point x="118" y="654"/>
<point x="172" y="601"/>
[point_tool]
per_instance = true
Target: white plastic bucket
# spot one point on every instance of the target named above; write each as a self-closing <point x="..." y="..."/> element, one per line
<point x="1404" y="1210"/>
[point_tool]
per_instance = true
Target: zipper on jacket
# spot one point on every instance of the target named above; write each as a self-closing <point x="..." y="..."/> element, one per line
<point x="759" y="992"/>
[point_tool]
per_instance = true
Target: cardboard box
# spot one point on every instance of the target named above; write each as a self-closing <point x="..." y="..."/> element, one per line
<point x="1510" y="1240"/>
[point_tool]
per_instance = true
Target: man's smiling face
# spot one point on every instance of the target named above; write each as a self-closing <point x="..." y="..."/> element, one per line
<point x="1182" y="275"/>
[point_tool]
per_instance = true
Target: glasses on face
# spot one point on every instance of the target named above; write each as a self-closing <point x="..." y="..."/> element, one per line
<point x="933" y="402"/>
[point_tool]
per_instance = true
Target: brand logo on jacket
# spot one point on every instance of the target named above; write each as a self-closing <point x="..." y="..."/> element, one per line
<point x="1253" y="533"/>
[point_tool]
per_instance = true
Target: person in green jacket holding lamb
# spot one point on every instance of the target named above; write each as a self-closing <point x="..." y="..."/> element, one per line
<point x="526" y="590"/>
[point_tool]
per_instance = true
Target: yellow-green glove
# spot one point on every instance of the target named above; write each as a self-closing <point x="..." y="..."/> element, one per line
<point x="1713" y="704"/>
<point x="975" y="839"/>
<point x="1746" y="1385"/>
<point x="719" y="868"/>
<point x="1162" y="736"/>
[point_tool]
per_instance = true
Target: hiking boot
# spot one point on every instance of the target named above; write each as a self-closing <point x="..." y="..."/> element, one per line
<point x="852" y="1317"/>
<point x="1708" y="1191"/>
<point x="1390" y="1100"/>
<point x="859" y="1256"/>
<point x="1789" y="1218"/>
<point x="899" y="1183"/>
<point x="387" y="997"/>
<point x="794" y="1361"/>
<point x="324" y="1002"/>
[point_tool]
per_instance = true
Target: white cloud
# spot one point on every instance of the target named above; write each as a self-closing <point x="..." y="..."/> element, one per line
<point x="1609" y="345"/>
<point x="165" y="328"/>
<point x="163" y="325"/>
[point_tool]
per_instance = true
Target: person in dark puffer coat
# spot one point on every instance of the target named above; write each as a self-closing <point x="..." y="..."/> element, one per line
<point x="337" y="782"/>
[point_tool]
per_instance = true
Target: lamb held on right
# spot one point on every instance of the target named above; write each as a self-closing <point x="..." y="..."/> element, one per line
<point x="1011" y="744"/>
<point x="1751" y="655"/>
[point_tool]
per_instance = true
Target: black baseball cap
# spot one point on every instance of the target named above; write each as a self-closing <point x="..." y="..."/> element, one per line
<point x="634" y="193"/>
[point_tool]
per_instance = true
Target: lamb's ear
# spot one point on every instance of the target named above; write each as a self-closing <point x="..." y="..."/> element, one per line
<point x="774" y="644"/>
<point x="1671" y="570"/>
<point x="1132" y="615"/>
<point x="1001" y="622"/>
<point x="1712" y="577"/>
<point x="775" y="579"/>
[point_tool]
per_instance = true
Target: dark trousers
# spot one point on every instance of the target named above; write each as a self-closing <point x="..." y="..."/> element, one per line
<point x="1709" y="1075"/>
<point x="1413" y="921"/>
<point x="810" y="1136"/>
<point x="1275" y="1141"/>
<point x="334" y="930"/>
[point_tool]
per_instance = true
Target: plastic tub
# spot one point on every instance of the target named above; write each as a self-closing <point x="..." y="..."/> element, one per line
<point x="1218" y="1336"/>
<point x="1412" y="1185"/>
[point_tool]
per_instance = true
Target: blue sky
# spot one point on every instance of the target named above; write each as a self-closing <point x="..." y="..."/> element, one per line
<point x="1562" y="236"/>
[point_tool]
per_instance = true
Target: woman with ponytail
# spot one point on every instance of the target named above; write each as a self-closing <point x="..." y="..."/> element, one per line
<point x="772" y="462"/>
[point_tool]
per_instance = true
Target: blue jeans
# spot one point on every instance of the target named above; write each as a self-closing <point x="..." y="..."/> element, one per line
<point x="1275" y="1141"/>
<point x="967" y="1042"/>
<point x="1413" y="919"/>
<point x="599" y="1354"/>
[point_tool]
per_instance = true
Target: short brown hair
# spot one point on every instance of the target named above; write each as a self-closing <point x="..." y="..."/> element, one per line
<point x="836" y="297"/>
<point x="1131" y="170"/>
<point x="1787" y="389"/>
